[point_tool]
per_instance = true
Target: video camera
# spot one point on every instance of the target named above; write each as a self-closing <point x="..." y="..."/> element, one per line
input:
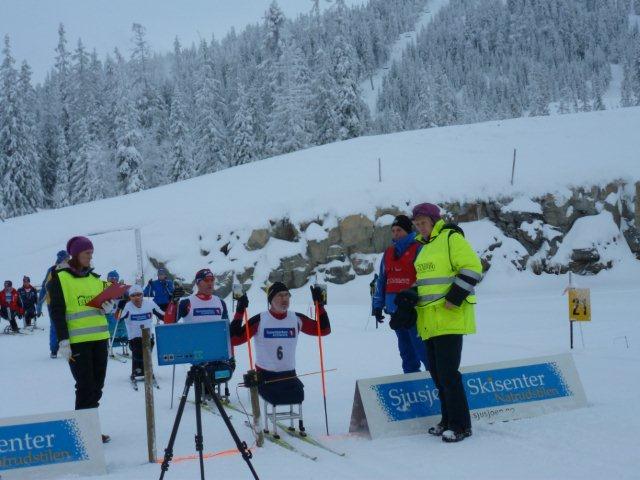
<point x="201" y="343"/>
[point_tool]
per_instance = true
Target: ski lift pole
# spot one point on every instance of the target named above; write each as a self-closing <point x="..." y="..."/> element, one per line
<point x="324" y="387"/>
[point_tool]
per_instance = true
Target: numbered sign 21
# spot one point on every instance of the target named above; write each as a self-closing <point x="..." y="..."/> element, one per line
<point x="579" y="305"/>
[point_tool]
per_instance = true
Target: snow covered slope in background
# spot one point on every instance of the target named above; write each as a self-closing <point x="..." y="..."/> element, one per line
<point x="452" y="163"/>
<point x="370" y="88"/>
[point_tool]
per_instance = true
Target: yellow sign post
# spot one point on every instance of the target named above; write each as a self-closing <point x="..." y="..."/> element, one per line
<point x="579" y="308"/>
<point x="579" y="305"/>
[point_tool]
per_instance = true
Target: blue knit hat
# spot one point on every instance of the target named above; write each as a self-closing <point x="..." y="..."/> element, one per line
<point x="61" y="256"/>
<point x="113" y="274"/>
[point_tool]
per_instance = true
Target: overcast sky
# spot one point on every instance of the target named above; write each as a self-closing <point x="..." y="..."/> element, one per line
<point x="32" y="25"/>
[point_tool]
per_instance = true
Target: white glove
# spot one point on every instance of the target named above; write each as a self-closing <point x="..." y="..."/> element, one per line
<point x="108" y="306"/>
<point x="64" y="349"/>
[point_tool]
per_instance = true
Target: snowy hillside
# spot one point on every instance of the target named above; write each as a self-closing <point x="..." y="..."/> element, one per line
<point x="186" y="224"/>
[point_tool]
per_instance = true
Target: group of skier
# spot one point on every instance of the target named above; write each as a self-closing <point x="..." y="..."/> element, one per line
<point x="19" y="304"/>
<point x="426" y="283"/>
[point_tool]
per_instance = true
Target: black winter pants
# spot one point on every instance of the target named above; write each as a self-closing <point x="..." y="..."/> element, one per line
<point x="8" y="314"/>
<point x="444" y="354"/>
<point x="281" y="392"/>
<point x="89" y="368"/>
<point x="137" y="358"/>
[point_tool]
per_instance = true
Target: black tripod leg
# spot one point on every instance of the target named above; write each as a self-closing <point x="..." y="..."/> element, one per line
<point x="199" y="446"/>
<point x="242" y="446"/>
<point x="168" y="452"/>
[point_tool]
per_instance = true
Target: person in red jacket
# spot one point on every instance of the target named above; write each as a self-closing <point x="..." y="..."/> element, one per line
<point x="276" y="334"/>
<point x="10" y="306"/>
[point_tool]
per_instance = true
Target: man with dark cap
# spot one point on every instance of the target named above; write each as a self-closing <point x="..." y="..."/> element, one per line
<point x="447" y="271"/>
<point x="276" y="336"/>
<point x="396" y="274"/>
<point x="204" y="306"/>
<point x="61" y="256"/>
<point x="160" y="290"/>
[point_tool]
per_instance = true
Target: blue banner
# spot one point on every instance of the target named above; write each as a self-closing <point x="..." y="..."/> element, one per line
<point x="43" y="443"/>
<point x="406" y="400"/>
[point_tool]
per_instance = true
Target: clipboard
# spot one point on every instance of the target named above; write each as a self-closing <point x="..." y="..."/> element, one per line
<point x="113" y="291"/>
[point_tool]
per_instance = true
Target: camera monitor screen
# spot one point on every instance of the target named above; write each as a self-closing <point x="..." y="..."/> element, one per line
<point x="193" y="342"/>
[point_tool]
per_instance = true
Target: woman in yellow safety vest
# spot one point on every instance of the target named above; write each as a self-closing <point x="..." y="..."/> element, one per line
<point x="447" y="271"/>
<point x="82" y="331"/>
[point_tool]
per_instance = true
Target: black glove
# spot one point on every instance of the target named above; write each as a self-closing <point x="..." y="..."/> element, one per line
<point x="377" y="312"/>
<point x="235" y="328"/>
<point x="39" y="314"/>
<point x="178" y="293"/>
<point x="242" y="303"/>
<point x="405" y="315"/>
<point x="317" y="294"/>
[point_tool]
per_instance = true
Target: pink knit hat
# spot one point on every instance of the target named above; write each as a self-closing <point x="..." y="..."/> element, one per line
<point x="76" y="245"/>
<point x="426" y="210"/>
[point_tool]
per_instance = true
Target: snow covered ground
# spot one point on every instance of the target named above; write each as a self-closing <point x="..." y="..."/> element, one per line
<point x="370" y="88"/>
<point x="519" y="316"/>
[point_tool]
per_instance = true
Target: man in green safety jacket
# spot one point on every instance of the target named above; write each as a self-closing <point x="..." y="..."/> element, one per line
<point x="447" y="271"/>
<point x="82" y="331"/>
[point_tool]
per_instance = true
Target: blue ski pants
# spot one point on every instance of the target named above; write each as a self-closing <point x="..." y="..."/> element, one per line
<point x="413" y="350"/>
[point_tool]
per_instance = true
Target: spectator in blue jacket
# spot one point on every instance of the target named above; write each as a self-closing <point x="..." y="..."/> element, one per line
<point x="61" y="256"/>
<point x="397" y="273"/>
<point x="160" y="290"/>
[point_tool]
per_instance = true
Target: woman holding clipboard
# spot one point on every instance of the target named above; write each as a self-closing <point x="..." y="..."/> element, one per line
<point x="82" y="329"/>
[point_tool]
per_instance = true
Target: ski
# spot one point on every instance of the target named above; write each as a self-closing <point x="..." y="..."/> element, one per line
<point x="284" y="444"/>
<point x="209" y="408"/>
<point x="134" y="382"/>
<point x="118" y="358"/>
<point x="309" y="439"/>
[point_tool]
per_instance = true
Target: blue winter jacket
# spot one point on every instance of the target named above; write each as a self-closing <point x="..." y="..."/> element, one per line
<point x="160" y="290"/>
<point x="382" y="299"/>
<point x="43" y="289"/>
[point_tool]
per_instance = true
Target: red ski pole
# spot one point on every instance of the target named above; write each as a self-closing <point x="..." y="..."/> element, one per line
<point x="324" y="387"/>
<point x="248" y="333"/>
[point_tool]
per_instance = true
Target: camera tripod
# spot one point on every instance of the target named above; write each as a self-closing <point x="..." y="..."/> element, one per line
<point x="198" y="375"/>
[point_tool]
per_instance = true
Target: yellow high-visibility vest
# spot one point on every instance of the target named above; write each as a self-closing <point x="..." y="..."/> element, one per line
<point x="85" y="324"/>
<point x="441" y="259"/>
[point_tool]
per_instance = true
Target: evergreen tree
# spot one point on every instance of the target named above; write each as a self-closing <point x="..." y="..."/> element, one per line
<point x="350" y="110"/>
<point x="243" y="148"/>
<point x="181" y="164"/>
<point x="324" y="102"/>
<point x="81" y="177"/>
<point x="210" y="131"/>
<point x="20" y="191"/>
<point x="61" y="194"/>
<point x="128" y="159"/>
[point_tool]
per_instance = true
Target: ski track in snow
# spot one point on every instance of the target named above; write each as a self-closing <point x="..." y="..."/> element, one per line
<point x="370" y="87"/>
<point x="519" y="315"/>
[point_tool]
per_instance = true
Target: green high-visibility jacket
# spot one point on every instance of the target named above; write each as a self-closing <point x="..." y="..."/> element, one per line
<point x="85" y="324"/>
<point x="447" y="269"/>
